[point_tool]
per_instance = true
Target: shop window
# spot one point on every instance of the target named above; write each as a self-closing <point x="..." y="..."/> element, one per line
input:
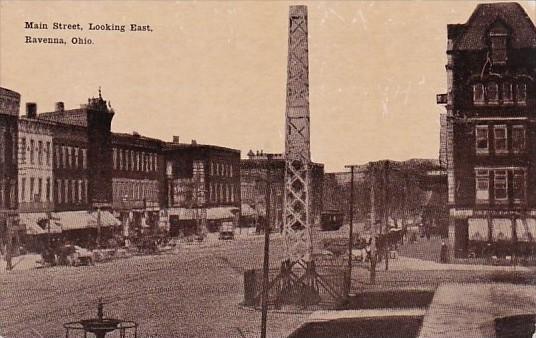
<point x="500" y="135"/>
<point x="482" y="139"/>
<point x="501" y="185"/>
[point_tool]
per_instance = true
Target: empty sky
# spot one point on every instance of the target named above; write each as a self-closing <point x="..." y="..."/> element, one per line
<point x="216" y="72"/>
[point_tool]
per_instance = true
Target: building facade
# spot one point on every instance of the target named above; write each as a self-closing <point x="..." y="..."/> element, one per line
<point x="138" y="181"/>
<point x="35" y="163"/>
<point x="203" y="186"/>
<point x="491" y="132"/>
<point x="9" y="113"/>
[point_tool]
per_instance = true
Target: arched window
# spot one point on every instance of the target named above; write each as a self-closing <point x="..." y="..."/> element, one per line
<point x="521" y="93"/>
<point x="492" y="92"/>
<point x="507" y="92"/>
<point x="478" y="93"/>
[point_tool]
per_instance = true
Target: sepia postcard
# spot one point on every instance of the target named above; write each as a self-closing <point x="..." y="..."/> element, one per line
<point x="300" y="169"/>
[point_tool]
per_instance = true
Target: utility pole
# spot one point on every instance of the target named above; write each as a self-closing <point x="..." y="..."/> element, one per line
<point x="350" y="235"/>
<point x="372" y="167"/>
<point x="98" y="227"/>
<point x="386" y="211"/>
<point x="9" y="243"/>
<point x="264" y="315"/>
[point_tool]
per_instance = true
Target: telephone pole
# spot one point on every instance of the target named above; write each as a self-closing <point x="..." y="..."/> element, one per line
<point x="386" y="211"/>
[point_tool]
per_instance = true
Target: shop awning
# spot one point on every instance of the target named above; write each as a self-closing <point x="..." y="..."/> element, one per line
<point x="247" y="210"/>
<point x="502" y="229"/>
<point x="526" y="229"/>
<point x="73" y="220"/>
<point x="216" y="213"/>
<point x="478" y="229"/>
<point x="221" y="213"/>
<point x="31" y="222"/>
<point x="106" y="219"/>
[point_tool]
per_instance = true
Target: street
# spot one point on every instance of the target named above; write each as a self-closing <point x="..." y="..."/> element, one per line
<point x="193" y="292"/>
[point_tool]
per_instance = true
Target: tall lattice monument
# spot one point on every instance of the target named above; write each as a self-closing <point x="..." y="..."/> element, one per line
<point x="297" y="208"/>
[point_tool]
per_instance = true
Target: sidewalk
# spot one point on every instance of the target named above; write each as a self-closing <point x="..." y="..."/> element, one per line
<point x="407" y="263"/>
<point x="22" y="262"/>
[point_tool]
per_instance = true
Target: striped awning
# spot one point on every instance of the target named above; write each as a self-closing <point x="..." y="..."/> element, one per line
<point x="502" y="229"/>
<point x="526" y="229"/>
<point x="478" y="229"/>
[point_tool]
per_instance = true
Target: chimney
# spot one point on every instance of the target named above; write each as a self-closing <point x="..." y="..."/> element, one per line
<point x="31" y="110"/>
<point x="60" y="106"/>
<point x="194" y="142"/>
<point x="176" y="139"/>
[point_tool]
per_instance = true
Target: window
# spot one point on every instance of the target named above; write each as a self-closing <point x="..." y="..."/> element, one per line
<point x="492" y="93"/>
<point x="501" y="144"/>
<point x="48" y="153"/>
<point x="482" y="139"/>
<point x="518" y="185"/>
<point x="121" y="159"/>
<point x="74" y="197"/>
<point x="501" y="185"/>
<point x="39" y="189"/>
<point x="211" y="168"/>
<point x="478" y="93"/>
<point x="40" y="152"/>
<point x="76" y="155"/>
<point x="66" y="194"/>
<point x="63" y="157"/>
<point x="23" y="189"/>
<point x="232" y="193"/>
<point x="521" y="93"/>
<point x="32" y="145"/>
<point x="507" y="93"/>
<point x="482" y="186"/>
<point x="518" y="139"/>
<point x="48" y="196"/>
<point x="32" y="182"/>
<point x="58" y="156"/>
<point x="59" y="190"/>
<point x="84" y="158"/>
<point x="230" y="171"/>
<point x="114" y="158"/>
<point x="80" y="190"/>
<point x="23" y="149"/>
<point x="498" y="36"/>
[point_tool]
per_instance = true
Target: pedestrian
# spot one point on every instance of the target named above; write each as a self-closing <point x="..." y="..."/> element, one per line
<point x="443" y="255"/>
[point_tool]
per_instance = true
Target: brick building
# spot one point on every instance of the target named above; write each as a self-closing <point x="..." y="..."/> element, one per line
<point x="138" y="181"/>
<point x="491" y="132"/>
<point x="9" y="113"/>
<point x="203" y="186"/>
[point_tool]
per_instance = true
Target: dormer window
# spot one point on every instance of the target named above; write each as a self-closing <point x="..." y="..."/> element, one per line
<point x="498" y="36"/>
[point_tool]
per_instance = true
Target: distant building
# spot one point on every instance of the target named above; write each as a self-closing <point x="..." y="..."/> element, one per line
<point x="203" y="186"/>
<point x="254" y="174"/>
<point x="491" y="132"/>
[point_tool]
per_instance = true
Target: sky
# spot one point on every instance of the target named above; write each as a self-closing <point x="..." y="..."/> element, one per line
<point x="216" y="71"/>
